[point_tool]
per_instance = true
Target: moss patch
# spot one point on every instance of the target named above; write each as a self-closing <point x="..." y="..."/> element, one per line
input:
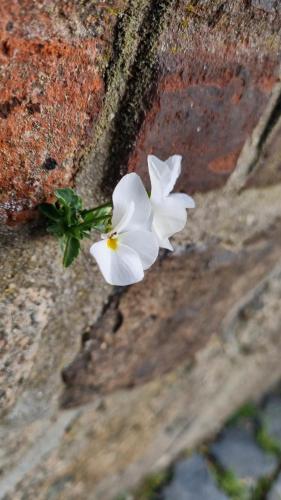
<point x="262" y="488"/>
<point x="267" y="443"/>
<point x="151" y="486"/>
<point x="228" y="482"/>
<point x="138" y="91"/>
<point x="247" y="411"/>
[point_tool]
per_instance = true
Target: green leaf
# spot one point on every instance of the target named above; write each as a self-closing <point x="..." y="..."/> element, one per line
<point x="101" y="212"/>
<point x="102" y="227"/>
<point x="70" y="216"/>
<point x="76" y="231"/>
<point x="56" y="230"/>
<point x="70" y="223"/>
<point x="69" y="198"/>
<point x="71" y="250"/>
<point x="98" y="218"/>
<point x="50" y="211"/>
<point x="87" y="218"/>
<point x="62" y="242"/>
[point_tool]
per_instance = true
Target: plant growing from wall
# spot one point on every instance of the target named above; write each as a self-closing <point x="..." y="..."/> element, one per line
<point x="132" y="228"/>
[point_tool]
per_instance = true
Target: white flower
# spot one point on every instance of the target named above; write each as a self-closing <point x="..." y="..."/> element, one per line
<point x="130" y="247"/>
<point x="169" y="210"/>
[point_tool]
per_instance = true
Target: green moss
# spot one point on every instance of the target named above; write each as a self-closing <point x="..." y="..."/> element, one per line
<point x="262" y="488"/>
<point x="115" y="11"/>
<point x="135" y="53"/>
<point x="151" y="485"/>
<point x="191" y="9"/>
<point x="230" y="484"/>
<point x="267" y="443"/>
<point x="226" y="480"/>
<point x="248" y="410"/>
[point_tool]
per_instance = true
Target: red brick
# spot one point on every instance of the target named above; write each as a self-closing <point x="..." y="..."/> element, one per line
<point x="217" y="67"/>
<point x="50" y="95"/>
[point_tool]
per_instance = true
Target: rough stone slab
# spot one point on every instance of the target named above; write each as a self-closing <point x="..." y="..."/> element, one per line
<point x="138" y="340"/>
<point x="110" y="444"/>
<point x="215" y="78"/>
<point x="272" y="418"/>
<point x="275" y="492"/>
<point x="192" y="481"/>
<point x="237" y="451"/>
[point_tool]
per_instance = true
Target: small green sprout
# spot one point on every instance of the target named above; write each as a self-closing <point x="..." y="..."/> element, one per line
<point x="70" y="223"/>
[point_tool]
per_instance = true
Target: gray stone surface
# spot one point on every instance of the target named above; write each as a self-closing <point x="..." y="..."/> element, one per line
<point x="236" y="450"/>
<point x="267" y="5"/>
<point x="275" y="492"/>
<point x="192" y="481"/>
<point x="272" y="418"/>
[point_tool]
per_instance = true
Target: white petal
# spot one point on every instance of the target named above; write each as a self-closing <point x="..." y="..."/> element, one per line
<point x="144" y="243"/>
<point x="119" y="267"/>
<point x="165" y="243"/>
<point x="159" y="173"/>
<point x="183" y="199"/>
<point x="131" y="189"/>
<point x="169" y="218"/>
<point x="125" y="220"/>
<point x="174" y="163"/>
<point x="163" y="175"/>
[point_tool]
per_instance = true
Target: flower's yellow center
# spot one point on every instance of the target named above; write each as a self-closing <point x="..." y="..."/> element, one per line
<point x="112" y="243"/>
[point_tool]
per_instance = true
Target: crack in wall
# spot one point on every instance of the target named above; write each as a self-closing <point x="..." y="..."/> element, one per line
<point x="254" y="146"/>
<point x="272" y="122"/>
<point x="138" y="92"/>
<point x="217" y="15"/>
<point x="110" y="320"/>
<point x="95" y="160"/>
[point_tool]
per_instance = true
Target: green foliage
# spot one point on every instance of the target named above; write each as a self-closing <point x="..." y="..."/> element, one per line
<point x="151" y="485"/>
<point x="71" y="250"/>
<point x="68" y="198"/>
<point x="262" y="488"/>
<point x="247" y="411"/>
<point x="226" y="480"/>
<point x="229" y="483"/>
<point x="267" y="443"/>
<point x="98" y="218"/>
<point x="70" y="223"/>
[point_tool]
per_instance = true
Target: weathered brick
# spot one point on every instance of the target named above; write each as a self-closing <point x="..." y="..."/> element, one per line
<point x="218" y="62"/>
<point x="51" y="88"/>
